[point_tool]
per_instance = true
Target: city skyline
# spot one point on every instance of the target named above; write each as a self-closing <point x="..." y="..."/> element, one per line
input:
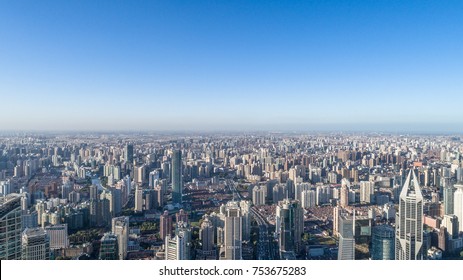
<point x="331" y="65"/>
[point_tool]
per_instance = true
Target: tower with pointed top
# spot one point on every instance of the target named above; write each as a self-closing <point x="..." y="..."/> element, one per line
<point x="409" y="221"/>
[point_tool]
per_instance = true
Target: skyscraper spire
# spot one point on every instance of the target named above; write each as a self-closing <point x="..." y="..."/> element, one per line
<point x="409" y="221"/>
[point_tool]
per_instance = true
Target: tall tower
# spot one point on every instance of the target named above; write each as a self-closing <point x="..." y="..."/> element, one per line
<point x="178" y="247"/>
<point x="120" y="228"/>
<point x="35" y="244"/>
<point x="206" y="235"/>
<point x="409" y="221"/>
<point x="108" y="248"/>
<point x="290" y="223"/>
<point x="458" y="205"/>
<point x="165" y="225"/>
<point x="233" y="232"/>
<point x="344" y="193"/>
<point x="382" y="243"/>
<point x="449" y="199"/>
<point x="128" y="153"/>
<point x="346" y="237"/>
<point x="10" y="227"/>
<point x="177" y="182"/>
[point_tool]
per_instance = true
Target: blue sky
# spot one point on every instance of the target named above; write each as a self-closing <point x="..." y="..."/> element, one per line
<point x="207" y="65"/>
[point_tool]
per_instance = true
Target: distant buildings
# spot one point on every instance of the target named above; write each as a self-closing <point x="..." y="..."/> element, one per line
<point x="177" y="181"/>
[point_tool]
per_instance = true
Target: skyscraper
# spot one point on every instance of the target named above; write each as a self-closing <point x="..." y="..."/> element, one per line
<point x="35" y="244"/>
<point x="409" y="221"/>
<point x="245" y="207"/>
<point x="346" y="238"/>
<point x="458" y="205"/>
<point x="367" y="191"/>
<point x="383" y="243"/>
<point x="138" y="199"/>
<point x="449" y="191"/>
<point x="344" y="193"/>
<point x="178" y="247"/>
<point x="206" y="235"/>
<point x="177" y="182"/>
<point x="120" y="228"/>
<point x="109" y="247"/>
<point x="233" y="232"/>
<point x="290" y="223"/>
<point x="165" y="225"/>
<point x="181" y="216"/>
<point x="10" y="227"/>
<point x="128" y="153"/>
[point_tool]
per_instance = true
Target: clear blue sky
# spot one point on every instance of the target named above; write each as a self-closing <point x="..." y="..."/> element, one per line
<point x="118" y="65"/>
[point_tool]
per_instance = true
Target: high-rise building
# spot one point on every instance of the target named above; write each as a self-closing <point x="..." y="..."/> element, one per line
<point x="336" y="214"/>
<point x="165" y="225"/>
<point x="206" y="235"/>
<point x="58" y="236"/>
<point x="383" y="243"/>
<point x="138" y="199"/>
<point x="177" y="181"/>
<point x="245" y="207"/>
<point x="128" y="153"/>
<point x="178" y="247"/>
<point x="346" y="249"/>
<point x="449" y="191"/>
<point x="367" y="191"/>
<point x="451" y="223"/>
<point x="181" y="216"/>
<point x="120" y="228"/>
<point x="232" y="232"/>
<point x="409" y="221"/>
<point x="458" y="205"/>
<point x="290" y="224"/>
<point x="109" y="247"/>
<point x="35" y="244"/>
<point x="259" y="194"/>
<point x="344" y="193"/>
<point x="10" y="227"/>
<point x="5" y="188"/>
<point x="308" y="198"/>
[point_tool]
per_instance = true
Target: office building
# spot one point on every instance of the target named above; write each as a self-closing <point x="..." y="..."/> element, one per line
<point x="289" y="225"/>
<point x="458" y="205"/>
<point x="120" y="228"/>
<point x="179" y="246"/>
<point x="35" y="244"/>
<point x="409" y="221"/>
<point x="177" y="180"/>
<point x="109" y="247"/>
<point x="165" y="225"/>
<point x="383" y="243"/>
<point x="344" y="201"/>
<point x="10" y="227"/>
<point x="232" y="232"/>
<point x="58" y="236"/>
<point x="346" y="249"/>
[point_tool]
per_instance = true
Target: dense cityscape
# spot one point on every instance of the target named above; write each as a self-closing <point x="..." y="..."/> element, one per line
<point x="231" y="196"/>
